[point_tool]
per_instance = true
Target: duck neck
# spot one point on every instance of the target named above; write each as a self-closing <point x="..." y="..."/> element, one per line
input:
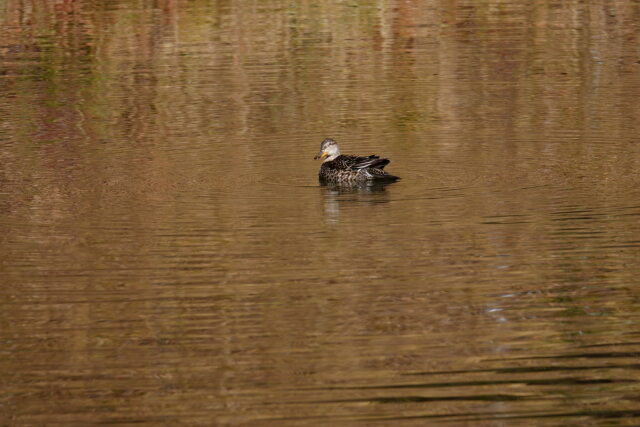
<point x="334" y="155"/>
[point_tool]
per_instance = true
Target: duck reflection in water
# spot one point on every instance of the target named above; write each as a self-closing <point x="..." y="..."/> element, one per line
<point x="355" y="196"/>
<point x="367" y="187"/>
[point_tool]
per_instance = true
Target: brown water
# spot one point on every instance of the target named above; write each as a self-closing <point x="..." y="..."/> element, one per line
<point x="168" y="257"/>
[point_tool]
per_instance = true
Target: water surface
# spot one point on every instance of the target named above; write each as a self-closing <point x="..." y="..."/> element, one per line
<point x="167" y="255"/>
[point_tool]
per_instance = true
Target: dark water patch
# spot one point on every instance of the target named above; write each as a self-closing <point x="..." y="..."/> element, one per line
<point x="420" y="399"/>
<point x="530" y="369"/>
<point x="595" y="414"/>
<point x="498" y="416"/>
<point x="603" y="355"/>
<point x="529" y="382"/>
<point x="612" y="344"/>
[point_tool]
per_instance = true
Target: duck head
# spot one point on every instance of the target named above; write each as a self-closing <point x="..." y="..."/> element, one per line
<point x="328" y="150"/>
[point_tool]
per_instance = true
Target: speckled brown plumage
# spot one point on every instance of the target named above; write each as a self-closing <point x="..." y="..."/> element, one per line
<point x="345" y="169"/>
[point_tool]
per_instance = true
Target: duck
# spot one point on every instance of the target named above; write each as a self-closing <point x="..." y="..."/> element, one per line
<point x="339" y="168"/>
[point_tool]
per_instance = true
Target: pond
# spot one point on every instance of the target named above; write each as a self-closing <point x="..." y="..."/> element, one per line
<point x="168" y="256"/>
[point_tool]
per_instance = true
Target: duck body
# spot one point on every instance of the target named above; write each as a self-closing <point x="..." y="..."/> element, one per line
<point x="346" y="169"/>
<point x="350" y="170"/>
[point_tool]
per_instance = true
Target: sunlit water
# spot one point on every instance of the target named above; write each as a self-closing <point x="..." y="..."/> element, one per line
<point x="167" y="255"/>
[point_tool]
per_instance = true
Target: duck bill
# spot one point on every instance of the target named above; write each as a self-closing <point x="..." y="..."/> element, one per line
<point x="321" y="155"/>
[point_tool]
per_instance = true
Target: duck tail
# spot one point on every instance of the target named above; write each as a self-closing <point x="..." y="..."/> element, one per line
<point x="390" y="178"/>
<point x="381" y="176"/>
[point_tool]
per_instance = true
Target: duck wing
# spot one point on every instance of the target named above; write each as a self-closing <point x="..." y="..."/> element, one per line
<point x="373" y="161"/>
